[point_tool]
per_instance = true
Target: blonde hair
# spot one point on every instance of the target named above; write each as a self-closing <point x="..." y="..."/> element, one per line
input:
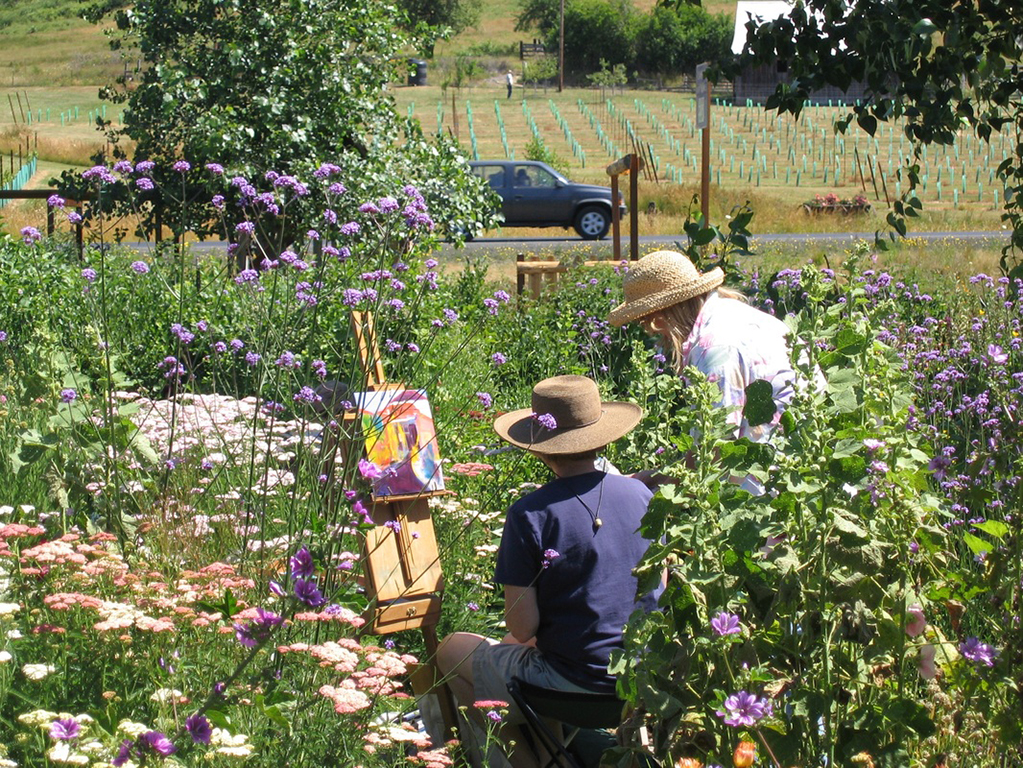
<point x="677" y="321"/>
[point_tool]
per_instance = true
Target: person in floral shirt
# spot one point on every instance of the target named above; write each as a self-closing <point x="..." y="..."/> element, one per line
<point x="712" y="328"/>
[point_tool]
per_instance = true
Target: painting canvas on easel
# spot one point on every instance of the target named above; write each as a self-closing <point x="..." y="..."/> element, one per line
<point x="397" y="425"/>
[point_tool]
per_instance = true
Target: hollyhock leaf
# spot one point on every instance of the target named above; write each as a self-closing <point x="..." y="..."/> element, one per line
<point x="760" y="407"/>
<point x="976" y="544"/>
<point x="992" y="528"/>
<point x="849" y="469"/>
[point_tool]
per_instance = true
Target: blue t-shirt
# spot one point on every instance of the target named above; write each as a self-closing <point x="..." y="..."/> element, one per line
<point x="585" y="588"/>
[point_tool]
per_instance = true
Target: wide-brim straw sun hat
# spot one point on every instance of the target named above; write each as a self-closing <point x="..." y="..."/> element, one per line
<point x="567" y="416"/>
<point x="659" y="280"/>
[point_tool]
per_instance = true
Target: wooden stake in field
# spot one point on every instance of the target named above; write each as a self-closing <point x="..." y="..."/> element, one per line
<point x="630" y="164"/>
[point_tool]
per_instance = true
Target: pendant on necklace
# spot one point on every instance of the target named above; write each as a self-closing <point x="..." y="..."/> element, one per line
<point x="597" y="522"/>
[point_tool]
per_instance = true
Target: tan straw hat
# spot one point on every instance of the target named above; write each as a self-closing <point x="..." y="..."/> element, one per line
<point x="567" y="417"/>
<point x="661" y="279"/>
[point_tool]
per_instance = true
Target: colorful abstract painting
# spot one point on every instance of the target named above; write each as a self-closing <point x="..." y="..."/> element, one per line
<point x="401" y="442"/>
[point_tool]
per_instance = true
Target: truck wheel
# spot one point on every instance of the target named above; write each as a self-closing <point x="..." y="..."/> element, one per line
<point x="592" y="222"/>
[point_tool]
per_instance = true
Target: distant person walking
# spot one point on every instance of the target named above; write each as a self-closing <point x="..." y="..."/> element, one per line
<point x="510" y="80"/>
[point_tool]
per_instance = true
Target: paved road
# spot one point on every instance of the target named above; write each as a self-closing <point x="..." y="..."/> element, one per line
<point x="603" y="248"/>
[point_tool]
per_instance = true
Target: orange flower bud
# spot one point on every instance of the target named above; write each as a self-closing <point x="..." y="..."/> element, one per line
<point x="688" y="762"/>
<point x="745" y="754"/>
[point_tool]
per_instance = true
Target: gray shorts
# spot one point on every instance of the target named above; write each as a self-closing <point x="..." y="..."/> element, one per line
<point x="494" y="664"/>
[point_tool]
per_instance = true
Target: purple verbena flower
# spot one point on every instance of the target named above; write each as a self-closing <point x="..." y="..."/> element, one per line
<point x="68" y="395"/>
<point x="549" y="556"/>
<point x="546" y="420"/>
<point x="307" y="395"/>
<point x="369" y="470"/>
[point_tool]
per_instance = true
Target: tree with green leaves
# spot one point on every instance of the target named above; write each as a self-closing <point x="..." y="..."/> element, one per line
<point x="452" y="15"/>
<point x="273" y="86"/>
<point x="673" y="40"/>
<point x="594" y="30"/>
<point x="940" y="65"/>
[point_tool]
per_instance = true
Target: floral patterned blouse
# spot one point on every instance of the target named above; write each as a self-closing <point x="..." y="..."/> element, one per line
<point x="734" y="344"/>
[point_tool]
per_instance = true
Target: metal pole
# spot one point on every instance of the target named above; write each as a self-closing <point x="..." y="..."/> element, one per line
<point x="561" y="51"/>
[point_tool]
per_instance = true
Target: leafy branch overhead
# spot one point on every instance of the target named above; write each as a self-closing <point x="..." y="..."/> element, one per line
<point x="941" y="66"/>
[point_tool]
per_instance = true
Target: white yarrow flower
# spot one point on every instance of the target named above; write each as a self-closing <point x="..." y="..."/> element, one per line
<point x="38" y="671"/>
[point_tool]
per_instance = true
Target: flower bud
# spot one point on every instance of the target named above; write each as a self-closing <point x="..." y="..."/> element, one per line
<point x="745" y="754"/>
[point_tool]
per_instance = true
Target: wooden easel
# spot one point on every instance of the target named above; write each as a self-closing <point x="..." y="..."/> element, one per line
<point x="404" y="580"/>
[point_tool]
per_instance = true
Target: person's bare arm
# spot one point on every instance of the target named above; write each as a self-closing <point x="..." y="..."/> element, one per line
<point x="521" y="614"/>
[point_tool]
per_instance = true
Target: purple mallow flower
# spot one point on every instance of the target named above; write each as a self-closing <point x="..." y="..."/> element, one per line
<point x="258" y="629"/>
<point x="307" y="591"/>
<point x="979" y="653"/>
<point x="302" y="566"/>
<point x="149" y="743"/>
<point x="744" y="709"/>
<point x="65" y="730"/>
<point x="199" y="729"/>
<point x="725" y="624"/>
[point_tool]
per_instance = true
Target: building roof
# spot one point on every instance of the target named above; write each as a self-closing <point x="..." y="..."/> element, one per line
<point x="761" y="10"/>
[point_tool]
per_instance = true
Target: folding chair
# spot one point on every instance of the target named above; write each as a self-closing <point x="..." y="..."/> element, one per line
<point x="581" y="715"/>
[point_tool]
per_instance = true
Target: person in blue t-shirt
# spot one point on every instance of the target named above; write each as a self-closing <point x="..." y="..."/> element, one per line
<point x="566" y="557"/>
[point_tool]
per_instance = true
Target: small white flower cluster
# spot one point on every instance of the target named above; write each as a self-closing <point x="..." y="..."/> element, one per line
<point x="226" y="744"/>
<point x="37" y="672"/>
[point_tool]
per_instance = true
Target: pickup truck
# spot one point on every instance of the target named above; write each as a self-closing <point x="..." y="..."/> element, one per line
<point x="535" y="195"/>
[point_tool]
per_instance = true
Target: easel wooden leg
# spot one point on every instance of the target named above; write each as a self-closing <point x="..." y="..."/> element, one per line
<point x="429" y="675"/>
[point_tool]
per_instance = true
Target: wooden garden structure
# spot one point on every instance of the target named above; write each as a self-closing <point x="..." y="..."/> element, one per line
<point x="534" y="275"/>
